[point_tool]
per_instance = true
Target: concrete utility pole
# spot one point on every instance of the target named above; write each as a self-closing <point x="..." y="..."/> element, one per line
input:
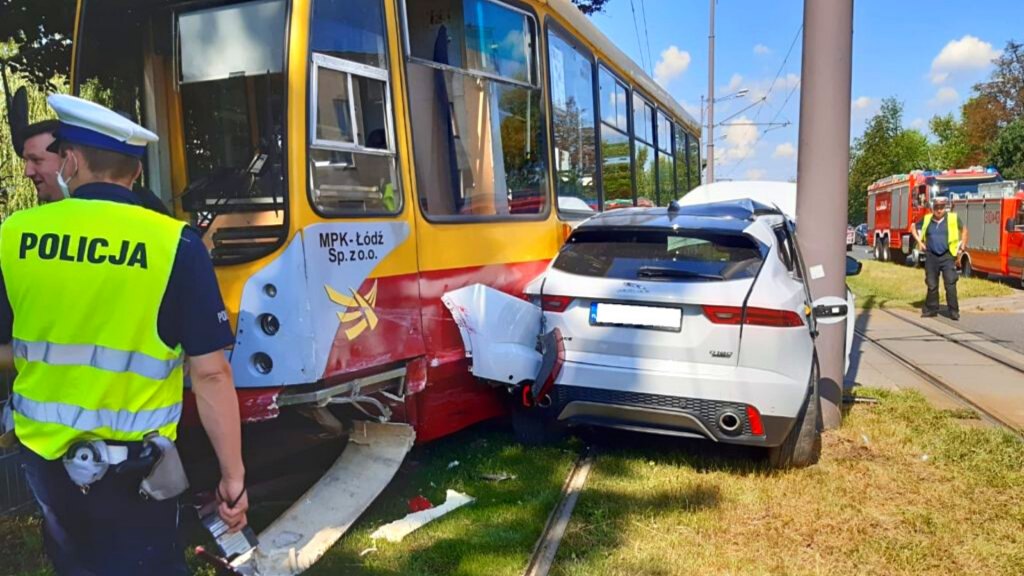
<point x="711" y="99"/>
<point x="822" y="177"/>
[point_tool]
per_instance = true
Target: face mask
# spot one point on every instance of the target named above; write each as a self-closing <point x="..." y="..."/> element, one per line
<point x="63" y="184"/>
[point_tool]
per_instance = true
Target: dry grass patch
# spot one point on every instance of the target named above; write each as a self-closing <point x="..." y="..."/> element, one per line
<point x="902" y="489"/>
<point x="890" y="285"/>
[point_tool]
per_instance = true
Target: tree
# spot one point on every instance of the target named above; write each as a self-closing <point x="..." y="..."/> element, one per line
<point x="42" y="31"/>
<point x="980" y="119"/>
<point x="1007" y="82"/>
<point x="885" y="148"/>
<point x="951" y="150"/>
<point x="1008" y="150"/>
<point x="590" y="6"/>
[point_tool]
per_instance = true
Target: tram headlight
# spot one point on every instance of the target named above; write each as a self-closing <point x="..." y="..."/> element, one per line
<point x="262" y="363"/>
<point x="269" y="324"/>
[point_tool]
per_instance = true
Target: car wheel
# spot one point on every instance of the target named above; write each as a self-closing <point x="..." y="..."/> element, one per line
<point x="532" y="428"/>
<point x="802" y="446"/>
<point x="966" y="270"/>
<point x="886" y="254"/>
<point x="878" y="249"/>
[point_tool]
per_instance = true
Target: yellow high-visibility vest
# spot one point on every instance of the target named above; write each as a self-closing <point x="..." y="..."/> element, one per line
<point x="954" y="230"/>
<point x="85" y="279"/>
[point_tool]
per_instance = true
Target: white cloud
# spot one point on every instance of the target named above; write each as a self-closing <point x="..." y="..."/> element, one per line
<point x="740" y="138"/>
<point x="864" y="103"/>
<point x="967" y="53"/>
<point x="919" y="123"/>
<point x="755" y="174"/>
<point x="784" y="150"/>
<point x="761" y="50"/>
<point x="734" y="83"/>
<point x="944" y="97"/>
<point x="759" y="88"/>
<point x="693" y="109"/>
<point x="673" y="64"/>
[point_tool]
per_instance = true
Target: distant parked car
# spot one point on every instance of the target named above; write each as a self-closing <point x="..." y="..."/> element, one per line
<point x="861" y="235"/>
<point x="851" y="236"/>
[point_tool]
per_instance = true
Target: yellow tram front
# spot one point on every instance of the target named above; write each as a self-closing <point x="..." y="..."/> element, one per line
<point x="349" y="162"/>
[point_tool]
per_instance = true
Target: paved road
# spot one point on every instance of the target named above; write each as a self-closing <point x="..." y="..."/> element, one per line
<point x="861" y="252"/>
<point x="1007" y="329"/>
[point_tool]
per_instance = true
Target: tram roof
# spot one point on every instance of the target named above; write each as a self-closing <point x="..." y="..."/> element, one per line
<point x="567" y="10"/>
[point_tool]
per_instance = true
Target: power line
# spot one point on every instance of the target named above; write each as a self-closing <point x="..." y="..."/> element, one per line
<point x="773" y="125"/>
<point x="650" y="57"/>
<point x="636" y="30"/>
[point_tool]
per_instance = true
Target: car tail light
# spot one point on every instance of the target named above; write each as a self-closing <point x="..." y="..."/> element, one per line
<point x="733" y="316"/>
<point x="754" y="417"/>
<point x="555" y="303"/>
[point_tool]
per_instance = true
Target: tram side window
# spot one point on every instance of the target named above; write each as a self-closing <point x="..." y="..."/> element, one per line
<point x="694" y="160"/>
<point x="476" y="109"/>
<point x="643" y="131"/>
<point x="616" y="170"/>
<point x="682" y="167"/>
<point x="666" y="172"/>
<point x="572" y="103"/>
<point x="352" y="154"/>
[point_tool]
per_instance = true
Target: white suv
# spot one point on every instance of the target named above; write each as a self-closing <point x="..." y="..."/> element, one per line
<point x="692" y="321"/>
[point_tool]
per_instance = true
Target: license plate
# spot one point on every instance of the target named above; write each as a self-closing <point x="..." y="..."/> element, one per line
<point x="657" y="317"/>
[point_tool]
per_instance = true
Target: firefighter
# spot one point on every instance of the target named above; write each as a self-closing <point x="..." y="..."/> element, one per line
<point x="942" y="237"/>
<point x="100" y="299"/>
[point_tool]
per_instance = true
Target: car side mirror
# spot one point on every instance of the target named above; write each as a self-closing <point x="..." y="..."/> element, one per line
<point x="853" y="266"/>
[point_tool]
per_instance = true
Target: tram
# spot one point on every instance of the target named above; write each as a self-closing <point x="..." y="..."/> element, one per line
<point x="348" y="162"/>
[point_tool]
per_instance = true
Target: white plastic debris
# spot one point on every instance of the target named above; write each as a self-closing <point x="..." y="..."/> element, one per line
<point x="367" y="551"/>
<point x="453" y="464"/>
<point x="864" y="437"/>
<point x="399" y="529"/>
<point x="924" y="458"/>
<point x="497" y="477"/>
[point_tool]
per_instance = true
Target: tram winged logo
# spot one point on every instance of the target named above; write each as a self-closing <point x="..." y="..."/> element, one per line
<point x="359" y="313"/>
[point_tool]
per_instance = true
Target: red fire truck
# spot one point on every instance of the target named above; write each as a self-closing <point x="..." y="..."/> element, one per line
<point x="897" y="202"/>
<point x="994" y="217"/>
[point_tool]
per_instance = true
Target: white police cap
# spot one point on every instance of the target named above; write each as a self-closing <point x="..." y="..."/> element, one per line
<point x="89" y="124"/>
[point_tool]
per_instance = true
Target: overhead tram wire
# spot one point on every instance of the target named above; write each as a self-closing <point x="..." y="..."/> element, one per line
<point x="764" y="100"/>
<point x="636" y="30"/>
<point x="647" y="37"/>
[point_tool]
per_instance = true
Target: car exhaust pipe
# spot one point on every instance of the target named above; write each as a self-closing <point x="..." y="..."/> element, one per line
<point x="545" y="401"/>
<point x="729" y="422"/>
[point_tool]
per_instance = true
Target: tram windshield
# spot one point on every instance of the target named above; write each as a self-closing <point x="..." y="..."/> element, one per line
<point x="153" y="61"/>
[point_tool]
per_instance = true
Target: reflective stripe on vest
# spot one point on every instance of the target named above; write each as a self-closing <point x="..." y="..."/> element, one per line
<point x="86" y="280"/>
<point x="953" y="235"/>
<point x="78" y="418"/>
<point x="99" y="357"/>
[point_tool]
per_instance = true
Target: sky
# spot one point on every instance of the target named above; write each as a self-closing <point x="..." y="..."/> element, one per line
<point x="926" y="53"/>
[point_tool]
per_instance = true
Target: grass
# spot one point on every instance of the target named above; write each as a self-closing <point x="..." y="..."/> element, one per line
<point x="902" y="489"/>
<point x="884" y="284"/>
<point x="492" y="536"/>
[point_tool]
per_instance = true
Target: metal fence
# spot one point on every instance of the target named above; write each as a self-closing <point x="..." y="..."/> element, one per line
<point x="14" y="494"/>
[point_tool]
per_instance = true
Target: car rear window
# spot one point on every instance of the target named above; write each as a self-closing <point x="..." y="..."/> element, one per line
<point x="661" y="255"/>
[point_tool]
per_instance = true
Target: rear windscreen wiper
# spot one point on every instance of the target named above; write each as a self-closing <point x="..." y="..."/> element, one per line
<point x="660" y="272"/>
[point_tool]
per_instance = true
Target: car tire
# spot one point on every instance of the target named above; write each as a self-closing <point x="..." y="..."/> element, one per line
<point x="886" y="253"/>
<point x="802" y="446"/>
<point x="966" y="270"/>
<point x="878" y="249"/>
<point x="532" y="428"/>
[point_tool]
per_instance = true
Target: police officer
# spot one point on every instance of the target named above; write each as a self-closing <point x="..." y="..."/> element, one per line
<point x="941" y="236"/>
<point x="40" y="153"/>
<point x="101" y="299"/>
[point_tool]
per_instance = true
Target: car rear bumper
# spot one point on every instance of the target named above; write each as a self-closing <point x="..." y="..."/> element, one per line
<point x="682" y="404"/>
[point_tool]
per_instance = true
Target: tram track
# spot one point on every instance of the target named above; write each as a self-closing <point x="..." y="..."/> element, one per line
<point x="928" y="376"/>
<point x="544" y="551"/>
